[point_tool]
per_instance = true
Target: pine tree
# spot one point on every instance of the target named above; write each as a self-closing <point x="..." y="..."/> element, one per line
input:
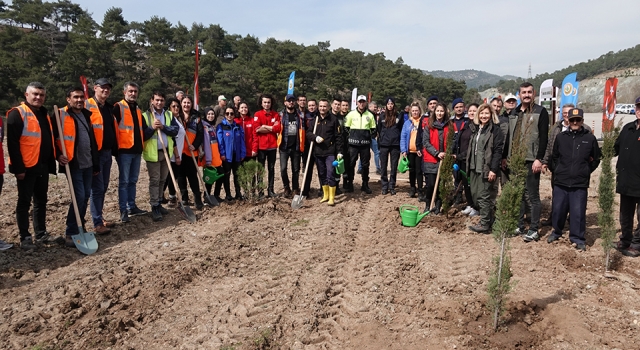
<point x="606" y="195"/>
<point x="446" y="185"/>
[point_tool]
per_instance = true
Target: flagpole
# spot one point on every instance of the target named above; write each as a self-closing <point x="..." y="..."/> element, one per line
<point x="196" y="87"/>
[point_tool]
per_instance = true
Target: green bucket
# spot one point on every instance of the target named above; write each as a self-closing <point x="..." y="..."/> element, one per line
<point x="410" y="215"/>
<point x="210" y="175"/>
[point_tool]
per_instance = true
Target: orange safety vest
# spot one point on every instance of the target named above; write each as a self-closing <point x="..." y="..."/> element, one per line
<point x="68" y="133"/>
<point x="97" y="123"/>
<point x="31" y="136"/>
<point x="191" y="136"/>
<point x="125" y="128"/>
<point x="216" y="161"/>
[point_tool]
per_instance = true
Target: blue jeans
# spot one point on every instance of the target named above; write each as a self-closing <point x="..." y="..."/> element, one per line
<point x="81" y="179"/>
<point x="99" y="186"/>
<point x="376" y="155"/>
<point x="129" y="166"/>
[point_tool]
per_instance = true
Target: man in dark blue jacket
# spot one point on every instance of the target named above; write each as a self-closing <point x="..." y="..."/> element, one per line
<point x="291" y="143"/>
<point x="575" y="156"/>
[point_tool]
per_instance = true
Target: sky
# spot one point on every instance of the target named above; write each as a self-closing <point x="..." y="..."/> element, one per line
<point x="498" y="36"/>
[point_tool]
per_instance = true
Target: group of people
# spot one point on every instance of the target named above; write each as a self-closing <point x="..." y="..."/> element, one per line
<point x="175" y="139"/>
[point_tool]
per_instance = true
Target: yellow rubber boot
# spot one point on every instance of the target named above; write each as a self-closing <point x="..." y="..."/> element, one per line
<point x="332" y="195"/>
<point x="325" y="191"/>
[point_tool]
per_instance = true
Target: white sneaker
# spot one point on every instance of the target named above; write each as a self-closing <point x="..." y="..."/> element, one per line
<point x="467" y="210"/>
<point x="473" y="213"/>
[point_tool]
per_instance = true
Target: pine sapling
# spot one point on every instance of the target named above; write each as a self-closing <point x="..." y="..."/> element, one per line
<point x="446" y="185"/>
<point x="248" y="174"/>
<point x="606" y="195"/>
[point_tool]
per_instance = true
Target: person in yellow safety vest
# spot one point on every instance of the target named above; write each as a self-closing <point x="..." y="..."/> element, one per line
<point x="82" y="155"/>
<point x="104" y="128"/>
<point x="160" y="128"/>
<point x="129" y="118"/>
<point x="31" y="159"/>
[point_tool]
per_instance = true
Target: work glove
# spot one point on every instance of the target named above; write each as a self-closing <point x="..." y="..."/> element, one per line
<point x="319" y="139"/>
<point x="339" y="156"/>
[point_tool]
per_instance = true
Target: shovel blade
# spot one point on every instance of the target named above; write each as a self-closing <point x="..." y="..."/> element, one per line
<point x="85" y="242"/>
<point x="187" y="213"/>
<point x="211" y="200"/>
<point x="296" y="203"/>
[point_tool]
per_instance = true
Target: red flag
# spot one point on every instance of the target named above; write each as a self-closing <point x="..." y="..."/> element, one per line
<point x="609" y="104"/>
<point x="83" y="80"/>
<point x="196" y="87"/>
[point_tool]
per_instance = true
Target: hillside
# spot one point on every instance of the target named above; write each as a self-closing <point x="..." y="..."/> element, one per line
<point x="473" y="78"/>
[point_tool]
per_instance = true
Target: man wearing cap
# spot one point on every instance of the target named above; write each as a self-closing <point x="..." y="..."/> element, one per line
<point x="104" y="128"/>
<point x="510" y="102"/>
<point x="533" y="123"/>
<point x="459" y="121"/>
<point x="360" y="124"/>
<point x="219" y="109"/>
<point x="373" y="108"/>
<point x="574" y="157"/>
<point x="627" y="148"/>
<point x="291" y="144"/>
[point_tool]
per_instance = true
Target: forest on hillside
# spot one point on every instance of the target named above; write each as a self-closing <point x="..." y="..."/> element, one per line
<point x="611" y="61"/>
<point x="57" y="42"/>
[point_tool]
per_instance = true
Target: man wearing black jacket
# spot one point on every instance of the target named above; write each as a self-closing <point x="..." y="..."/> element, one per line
<point x="31" y="160"/>
<point x="82" y="156"/>
<point x="575" y="156"/>
<point x="627" y="148"/>
<point x="328" y="143"/>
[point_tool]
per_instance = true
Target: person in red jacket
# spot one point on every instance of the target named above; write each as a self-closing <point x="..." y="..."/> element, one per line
<point x="266" y="123"/>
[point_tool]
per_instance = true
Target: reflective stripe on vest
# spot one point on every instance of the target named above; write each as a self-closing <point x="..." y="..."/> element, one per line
<point x="31" y="136"/>
<point x="97" y="123"/>
<point x="125" y="127"/>
<point x="150" y="150"/>
<point x="68" y="133"/>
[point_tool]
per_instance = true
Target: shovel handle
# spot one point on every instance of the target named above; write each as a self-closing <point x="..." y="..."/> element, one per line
<point x="435" y="187"/>
<point x="306" y="166"/>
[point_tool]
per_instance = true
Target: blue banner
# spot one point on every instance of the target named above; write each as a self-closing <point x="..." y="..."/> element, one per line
<point x="569" y="93"/>
<point x="292" y="77"/>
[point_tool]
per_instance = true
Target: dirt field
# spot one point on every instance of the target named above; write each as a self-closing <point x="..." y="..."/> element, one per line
<point x="264" y="276"/>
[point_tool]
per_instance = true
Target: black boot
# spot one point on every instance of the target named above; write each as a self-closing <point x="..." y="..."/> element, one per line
<point x="422" y="195"/>
<point x="365" y="188"/>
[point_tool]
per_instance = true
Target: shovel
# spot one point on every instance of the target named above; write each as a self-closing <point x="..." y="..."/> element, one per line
<point x="296" y="203"/>
<point x="435" y="188"/>
<point x="84" y="241"/>
<point x="184" y="210"/>
<point x="211" y="200"/>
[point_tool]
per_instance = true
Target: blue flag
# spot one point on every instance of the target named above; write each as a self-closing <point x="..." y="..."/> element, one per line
<point x="569" y="93"/>
<point x="292" y="77"/>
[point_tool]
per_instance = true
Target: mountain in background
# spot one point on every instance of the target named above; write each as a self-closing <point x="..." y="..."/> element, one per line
<point x="473" y="78"/>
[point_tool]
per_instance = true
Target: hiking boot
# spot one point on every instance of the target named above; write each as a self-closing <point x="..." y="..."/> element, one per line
<point x="384" y="191"/>
<point x="580" y="246"/>
<point x="338" y="190"/>
<point x="287" y="193"/>
<point x="271" y="194"/>
<point x="27" y="243"/>
<point x="124" y="216"/>
<point x="467" y="210"/>
<point x="473" y="212"/>
<point x="135" y="211"/>
<point x="412" y="192"/>
<point x="630" y="252"/>
<point x="422" y="196"/>
<point x="101" y="230"/>
<point x="163" y="211"/>
<point x="365" y="188"/>
<point x="228" y="198"/>
<point x="393" y="191"/>
<point x="155" y="213"/>
<point x="552" y="238"/>
<point x="199" y="204"/>
<point x="348" y="187"/>
<point x="479" y="228"/>
<point x="238" y="196"/>
<point x="46" y="238"/>
<point x="108" y="224"/>
<point x="531" y="236"/>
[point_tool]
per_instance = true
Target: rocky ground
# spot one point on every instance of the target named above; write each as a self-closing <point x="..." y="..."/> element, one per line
<point x="262" y="276"/>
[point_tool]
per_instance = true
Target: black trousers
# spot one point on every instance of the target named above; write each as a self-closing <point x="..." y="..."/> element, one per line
<point x="295" y="168"/>
<point x="268" y="156"/>
<point x="34" y="186"/>
<point x="430" y="187"/>
<point x="571" y="201"/>
<point x="365" y="157"/>
<point x="228" y="168"/>
<point x="415" y="170"/>
<point x="458" y="178"/>
<point x="188" y="171"/>
<point x="385" y="153"/>
<point x="628" y="209"/>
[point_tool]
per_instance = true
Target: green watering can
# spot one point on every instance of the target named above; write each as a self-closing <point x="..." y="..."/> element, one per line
<point x="410" y="215"/>
<point x="339" y="165"/>
<point x="210" y="175"/>
<point x="403" y="165"/>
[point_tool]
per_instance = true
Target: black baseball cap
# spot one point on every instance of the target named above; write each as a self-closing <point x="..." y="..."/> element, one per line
<point x="102" y="82"/>
<point x="576" y="113"/>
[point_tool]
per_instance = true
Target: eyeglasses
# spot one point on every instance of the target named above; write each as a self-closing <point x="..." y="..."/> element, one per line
<point x="229" y="113"/>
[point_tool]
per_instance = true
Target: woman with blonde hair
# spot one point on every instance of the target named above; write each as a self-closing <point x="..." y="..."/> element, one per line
<point x="483" y="164"/>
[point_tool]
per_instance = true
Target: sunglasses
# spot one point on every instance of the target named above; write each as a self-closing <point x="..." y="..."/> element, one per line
<point x="229" y="113"/>
<point x="575" y="120"/>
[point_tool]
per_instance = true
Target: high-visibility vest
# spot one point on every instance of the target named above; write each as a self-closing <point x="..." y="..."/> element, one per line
<point x="97" y="123"/>
<point x="68" y="133"/>
<point x="126" y="126"/>
<point x="150" y="150"/>
<point x="191" y="130"/>
<point x="31" y="136"/>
